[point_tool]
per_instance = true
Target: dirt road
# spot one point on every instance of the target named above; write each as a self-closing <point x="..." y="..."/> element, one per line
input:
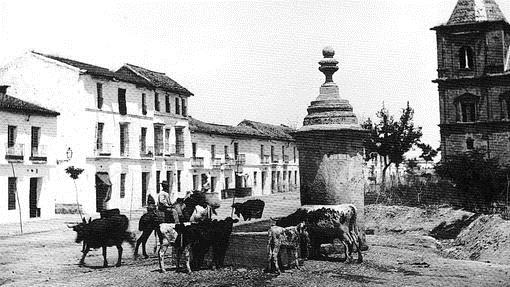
<point x="50" y="259"/>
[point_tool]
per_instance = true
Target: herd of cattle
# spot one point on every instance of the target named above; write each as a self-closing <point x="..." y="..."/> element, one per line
<point x="300" y="233"/>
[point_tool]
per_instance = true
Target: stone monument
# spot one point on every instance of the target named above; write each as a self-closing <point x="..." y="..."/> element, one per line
<point x="330" y="146"/>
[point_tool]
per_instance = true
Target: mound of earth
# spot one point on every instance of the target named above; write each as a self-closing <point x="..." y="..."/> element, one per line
<point x="381" y="218"/>
<point x="486" y="239"/>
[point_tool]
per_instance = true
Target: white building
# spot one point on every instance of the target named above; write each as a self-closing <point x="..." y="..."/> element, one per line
<point x="260" y="158"/>
<point x="27" y="157"/>
<point x="127" y="129"/>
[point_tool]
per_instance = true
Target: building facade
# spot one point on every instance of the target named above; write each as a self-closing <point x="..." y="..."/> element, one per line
<point x="474" y="80"/>
<point x="258" y="158"/>
<point x="128" y="129"/>
<point x="27" y="158"/>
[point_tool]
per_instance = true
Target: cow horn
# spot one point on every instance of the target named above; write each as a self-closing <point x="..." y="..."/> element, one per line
<point x="69" y="226"/>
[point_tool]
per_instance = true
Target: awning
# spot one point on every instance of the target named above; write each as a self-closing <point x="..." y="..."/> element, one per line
<point x="104" y="178"/>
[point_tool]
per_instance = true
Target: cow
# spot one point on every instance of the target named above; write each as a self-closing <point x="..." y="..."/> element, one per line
<point x="189" y="209"/>
<point x="291" y="238"/>
<point x="249" y="209"/>
<point x="167" y="236"/>
<point x="104" y="232"/>
<point x="326" y="224"/>
<point x="198" y="238"/>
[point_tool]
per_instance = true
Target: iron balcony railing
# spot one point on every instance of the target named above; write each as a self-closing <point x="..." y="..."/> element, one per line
<point x="197" y="162"/>
<point x="275" y="159"/>
<point x="103" y="149"/>
<point x="265" y="159"/>
<point x="240" y="159"/>
<point x="14" y="152"/>
<point x="146" y="151"/>
<point x="158" y="150"/>
<point x="38" y="153"/>
<point x="286" y="159"/>
<point x="216" y="162"/>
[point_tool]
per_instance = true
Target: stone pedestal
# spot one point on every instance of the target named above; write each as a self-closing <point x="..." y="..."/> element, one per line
<point x="330" y="146"/>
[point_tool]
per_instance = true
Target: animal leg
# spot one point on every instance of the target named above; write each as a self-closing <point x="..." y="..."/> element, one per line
<point x="178" y="258"/>
<point x="142" y="240"/>
<point x="296" y="257"/>
<point x="82" y="260"/>
<point x="155" y="241"/>
<point x="348" y="255"/>
<point x="275" y="257"/>
<point x="105" y="262"/>
<point x="187" y="258"/>
<point x="161" y="256"/>
<point x="119" y="260"/>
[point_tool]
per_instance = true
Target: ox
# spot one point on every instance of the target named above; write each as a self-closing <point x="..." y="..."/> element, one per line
<point x="167" y="236"/>
<point x="104" y="232"/>
<point x="194" y="208"/>
<point x="326" y="224"/>
<point x="291" y="238"/>
<point x="196" y="239"/>
<point x="249" y="209"/>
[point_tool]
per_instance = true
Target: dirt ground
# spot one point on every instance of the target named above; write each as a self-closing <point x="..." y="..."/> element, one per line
<point x="394" y="259"/>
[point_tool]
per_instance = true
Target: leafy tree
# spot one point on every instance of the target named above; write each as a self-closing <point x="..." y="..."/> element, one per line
<point x="481" y="180"/>
<point x="391" y="138"/>
<point x="428" y="153"/>
<point x="74" y="173"/>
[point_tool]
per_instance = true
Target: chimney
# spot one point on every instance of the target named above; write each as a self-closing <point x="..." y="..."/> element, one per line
<point x="3" y="90"/>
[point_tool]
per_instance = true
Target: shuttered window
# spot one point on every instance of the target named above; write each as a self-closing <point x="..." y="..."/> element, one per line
<point x="143" y="140"/>
<point x="99" y="90"/>
<point x="156" y="102"/>
<point x="184" y="111"/>
<point x="124" y="139"/>
<point x="11" y="138"/>
<point x="167" y="103"/>
<point x="11" y="201"/>
<point x="36" y="134"/>
<point x="158" y="140"/>
<point x="122" y="101"/>
<point x="144" y="105"/>
<point x="177" y="106"/>
<point x="99" y="136"/>
<point x="122" y="185"/>
<point x="179" y="141"/>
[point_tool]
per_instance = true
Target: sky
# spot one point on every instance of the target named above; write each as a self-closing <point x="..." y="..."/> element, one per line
<point x="254" y="60"/>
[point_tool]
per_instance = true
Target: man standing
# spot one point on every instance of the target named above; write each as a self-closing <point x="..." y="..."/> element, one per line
<point x="165" y="205"/>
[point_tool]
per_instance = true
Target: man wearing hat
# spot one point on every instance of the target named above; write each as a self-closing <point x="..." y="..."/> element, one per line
<point x="165" y="205"/>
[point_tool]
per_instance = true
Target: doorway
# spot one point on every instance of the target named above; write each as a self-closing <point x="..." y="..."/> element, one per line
<point x="103" y="190"/>
<point x="33" y="198"/>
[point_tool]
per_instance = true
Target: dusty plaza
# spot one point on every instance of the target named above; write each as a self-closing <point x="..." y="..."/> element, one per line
<point x="312" y="144"/>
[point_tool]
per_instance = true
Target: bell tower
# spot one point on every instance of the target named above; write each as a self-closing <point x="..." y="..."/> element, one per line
<point x="474" y="79"/>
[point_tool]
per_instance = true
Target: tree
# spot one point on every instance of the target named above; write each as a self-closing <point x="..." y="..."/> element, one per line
<point x="428" y="153"/>
<point x="391" y="138"/>
<point x="74" y="173"/>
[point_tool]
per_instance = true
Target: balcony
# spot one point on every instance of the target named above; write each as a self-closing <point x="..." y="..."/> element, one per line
<point x="241" y="159"/>
<point x="216" y="162"/>
<point x="286" y="159"/>
<point x="229" y="162"/>
<point x="103" y="149"/>
<point x="38" y="153"/>
<point x="275" y="160"/>
<point x="124" y="150"/>
<point x="197" y="162"/>
<point x="146" y="151"/>
<point x="14" y="152"/>
<point x="159" y="150"/>
<point x="174" y="150"/>
<point x="265" y="159"/>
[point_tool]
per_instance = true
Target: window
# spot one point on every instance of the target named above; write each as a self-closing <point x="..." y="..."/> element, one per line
<point x="264" y="175"/>
<point x="158" y="178"/>
<point x="122" y="101"/>
<point x="99" y="136"/>
<point x="466" y="106"/>
<point x="466" y="58"/>
<point x="124" y="139"/>
<point x="158" y="140"/>
<point x="194" y="149"/>
<point x="11" y="136"/>
<point x="254" y="178"/>
<point x="184" y="111"/>
<point x="143" y="140"/>
<point x="11" y="201"/>
<point x="170" y="179"/>
<point x="236" y="151"/>
<point x="283" y="151"/>
<point x="167" y="103"/>
<point x="167" y="140"/>
<point x="213" y="151"/>
<point x="122" y="185"/>
<point x="179" y="141"/>
<point x="294" y="154"/>
<point x="262" y="153"/>
<point x="213" y="183"/>
<point x="144" y="104"/>
<point x="178" y="181"/>
<point x="470" y="143"/>
<point x="177" y="106"/>
<point x="295" y="177"/>
<point x="272" y="154"/>
<point x="36" y="135"/>
<point x="99" y="89"/>
<point x="195" y="181"/>
<point x="273" y="180"/>
<point x="226" y="152"/>
<point x="156" y="102"/>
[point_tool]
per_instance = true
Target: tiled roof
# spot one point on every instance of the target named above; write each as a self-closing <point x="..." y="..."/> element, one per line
<point x="159" y="80"/>
<point x="474" y="11"/>
<point x="88" y="68"/>
<point x="244" y="129"/>
<point x="273" y="131"/>
<point x="15" y="105"/>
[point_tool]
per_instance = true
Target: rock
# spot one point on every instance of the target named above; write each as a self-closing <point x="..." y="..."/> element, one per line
<point x="452" y="227"/>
